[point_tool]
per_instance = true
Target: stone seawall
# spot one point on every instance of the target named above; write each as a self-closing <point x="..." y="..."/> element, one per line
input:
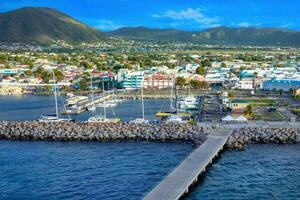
<point x="246" y="135"/>
<point x="68" y="131"/>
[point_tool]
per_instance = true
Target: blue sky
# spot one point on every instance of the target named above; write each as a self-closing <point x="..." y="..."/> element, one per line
<point x="180" y="14"/>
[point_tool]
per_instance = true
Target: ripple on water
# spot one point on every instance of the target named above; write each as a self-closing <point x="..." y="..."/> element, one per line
<point x="85" y="170"/>
<point x="261" y="172"/>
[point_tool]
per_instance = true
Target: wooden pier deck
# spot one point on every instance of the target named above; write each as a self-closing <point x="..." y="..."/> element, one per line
<point x="177" y="183"/>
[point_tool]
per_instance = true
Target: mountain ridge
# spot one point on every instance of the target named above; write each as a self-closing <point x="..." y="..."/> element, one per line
<point x="44" y="25"/>
<point x="218" y="35"/>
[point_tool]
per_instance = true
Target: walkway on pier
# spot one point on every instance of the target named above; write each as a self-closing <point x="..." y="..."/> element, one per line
<point x="177" y="183"/>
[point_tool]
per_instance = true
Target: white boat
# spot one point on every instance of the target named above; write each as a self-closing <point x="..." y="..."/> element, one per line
<point x="103" y="119"/>
<point x="75" y="100"/>
<point x="111" y="104"/>
<point x="139" y="121"/>
<point x="69" y="94"/>
<point x="189" y="102"/>
<point x="175" y="119"/>
<point x="103" y="105"/>
<point x="54" y="118"/>
<point x="92" y="105"/>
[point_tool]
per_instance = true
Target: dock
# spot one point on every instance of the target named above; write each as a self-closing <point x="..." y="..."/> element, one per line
<point x="177" y="183"/>
<point x="81" y="106"/>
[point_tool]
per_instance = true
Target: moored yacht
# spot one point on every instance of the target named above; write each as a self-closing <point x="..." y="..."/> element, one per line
<point x="103" y="119"/>
<point x="141" y="120"/>
<point x="54" y="118"/>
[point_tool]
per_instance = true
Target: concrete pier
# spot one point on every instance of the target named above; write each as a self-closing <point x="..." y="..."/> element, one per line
<point x="177" y="183"/>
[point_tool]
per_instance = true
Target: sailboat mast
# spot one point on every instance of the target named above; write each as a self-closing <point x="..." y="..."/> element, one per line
<point x="55" y="94"/>
<point x="172" y="88"/>
<point x="143" y="110"/>
<point x="91" y="80"/>
<point x="104" y="109"/>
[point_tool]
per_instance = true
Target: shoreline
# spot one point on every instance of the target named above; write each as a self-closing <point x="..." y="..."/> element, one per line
<point x="82" y="131"/>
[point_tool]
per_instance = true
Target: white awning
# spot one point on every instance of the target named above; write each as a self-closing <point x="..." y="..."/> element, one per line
<point x="228" y="118"/>
<point x="241" y="119"/>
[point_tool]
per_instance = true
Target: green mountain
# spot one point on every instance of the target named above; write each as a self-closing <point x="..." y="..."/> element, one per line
<point x="218" y="35"/>
<point x="144" y="33"/>
<point x="43" y="25"/>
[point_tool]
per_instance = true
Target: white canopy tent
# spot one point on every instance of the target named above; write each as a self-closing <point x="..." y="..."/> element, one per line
<point x="228" y="118"/>
<point x="241" y="119"/>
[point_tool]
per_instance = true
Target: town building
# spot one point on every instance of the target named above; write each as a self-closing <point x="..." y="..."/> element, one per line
<point x="238" y="105"/>
<point x="158" y="81"/>
<point x="281" y="85"/>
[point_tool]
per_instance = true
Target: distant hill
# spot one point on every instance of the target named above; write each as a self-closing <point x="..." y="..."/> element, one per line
<point x="218" y="35"/>
<point x="43" y="25"/>
<point x="145" y="33"/>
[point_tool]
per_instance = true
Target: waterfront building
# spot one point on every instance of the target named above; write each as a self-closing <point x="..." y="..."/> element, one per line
<point x="131" y="80"/>
<point x="246" y="84"/>
<point x="238" y="105"/>
<point x="158" y="81"/>
<point x="12" y="71"/>
<point x="10" y="90"/>
<point x="283" y="85"/>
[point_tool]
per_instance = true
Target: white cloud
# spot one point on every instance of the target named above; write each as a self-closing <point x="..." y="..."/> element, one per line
<point x="190" y="14"/>
<point x="287" y="25"/>
<point x="107" y="25"/>
<point x="244" y="24"/>
<point x="247" y="24"/>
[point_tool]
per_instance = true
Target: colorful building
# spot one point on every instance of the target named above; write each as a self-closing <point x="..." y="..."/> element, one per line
<point x="284" y="85"/>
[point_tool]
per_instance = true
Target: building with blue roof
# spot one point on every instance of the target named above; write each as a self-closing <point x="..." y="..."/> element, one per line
<point x="284" y="85"/>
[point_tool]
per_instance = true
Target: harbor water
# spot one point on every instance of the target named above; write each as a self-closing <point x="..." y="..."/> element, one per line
<point x="30" y="107"/>
<point x="128" y="170"/>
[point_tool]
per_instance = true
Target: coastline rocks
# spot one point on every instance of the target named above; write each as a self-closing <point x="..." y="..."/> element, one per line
<point x="251" y="135"/>
<point x="69" y="131"/>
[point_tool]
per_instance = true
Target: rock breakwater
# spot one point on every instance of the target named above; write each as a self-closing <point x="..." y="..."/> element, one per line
<point x="68" y="131"/>
<point x="250" y="135"/>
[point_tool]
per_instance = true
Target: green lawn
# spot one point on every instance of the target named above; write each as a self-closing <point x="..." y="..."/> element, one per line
<point x="261" y="101"/>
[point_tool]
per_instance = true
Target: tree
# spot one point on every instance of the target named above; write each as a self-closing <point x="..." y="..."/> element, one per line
<point x="206" y="63"/>
<point x="248" y="111"/>
<point x="180" y="81"/>
<point x="127" y="66"/>
<point x="85" y="64"/>
<point x="83" y="84"/>
<point x="28" y="73"/>
<point x="200" y="70"/>
<point x="198" y="84"/>
<point x="223" y="64"/>
<point x="58" y="75"/>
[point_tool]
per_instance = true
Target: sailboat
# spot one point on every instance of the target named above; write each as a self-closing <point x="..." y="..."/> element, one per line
<point x="91" y="106"/>
<point x="141" y="120"/>
<point x="173" y="110"/>
<point x="103" y="118"/>
<point x="54" y="118"/>
<point x="173" y="116"/>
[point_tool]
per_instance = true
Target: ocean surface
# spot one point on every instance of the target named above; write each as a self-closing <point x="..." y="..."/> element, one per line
<point x="128" y="170"/>
<point x="85" y="170"/>
<point x="263" y="171"/>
